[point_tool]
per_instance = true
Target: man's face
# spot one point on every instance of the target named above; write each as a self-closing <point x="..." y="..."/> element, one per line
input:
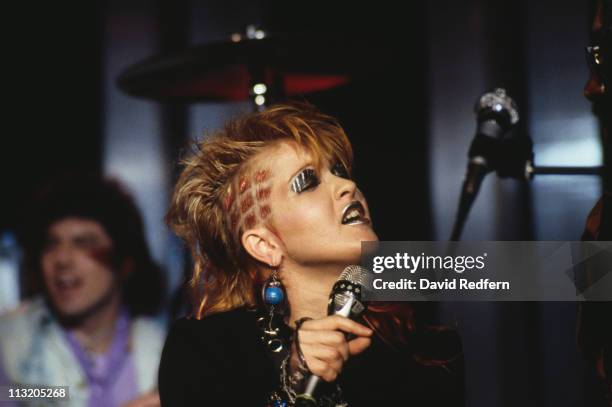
<point x="76" y="267"/>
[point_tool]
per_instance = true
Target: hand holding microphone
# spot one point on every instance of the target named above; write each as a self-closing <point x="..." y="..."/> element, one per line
<point x="325" y="347"/>
<point x="327" y="343"/>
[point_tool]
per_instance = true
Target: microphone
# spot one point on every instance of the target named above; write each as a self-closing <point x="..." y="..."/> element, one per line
<point x="344" y="300"/>
<point x="496" y="113"/>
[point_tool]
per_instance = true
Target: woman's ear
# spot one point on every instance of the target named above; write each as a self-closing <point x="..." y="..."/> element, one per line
<point x="263" y="245"/>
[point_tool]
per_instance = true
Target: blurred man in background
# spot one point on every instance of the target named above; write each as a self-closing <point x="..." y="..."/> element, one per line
<point x="92" y="283"/>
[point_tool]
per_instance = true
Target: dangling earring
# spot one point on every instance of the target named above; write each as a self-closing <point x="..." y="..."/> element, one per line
<point x="273" y="296"/>
<point x="273" y="290"/>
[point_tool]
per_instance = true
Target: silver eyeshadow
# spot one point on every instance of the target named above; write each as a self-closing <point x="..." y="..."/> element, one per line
<point x="308" y="177"/>
<point x="304" y="180"/>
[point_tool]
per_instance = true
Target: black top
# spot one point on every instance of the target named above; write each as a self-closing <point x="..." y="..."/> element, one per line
<point x="221" y="361"/>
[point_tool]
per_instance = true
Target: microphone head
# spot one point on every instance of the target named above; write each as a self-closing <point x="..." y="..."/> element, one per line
<point x="345" y="298"/>
<point x="498" y="103"/>
<point x="354" y="274"/>
<point x="496" y="115"/>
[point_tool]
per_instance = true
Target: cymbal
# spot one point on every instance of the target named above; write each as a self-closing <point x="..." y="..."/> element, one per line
<point x="226" y="71"/>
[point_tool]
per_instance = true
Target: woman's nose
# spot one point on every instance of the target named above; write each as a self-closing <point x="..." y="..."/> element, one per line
<point x="345" y="187"/>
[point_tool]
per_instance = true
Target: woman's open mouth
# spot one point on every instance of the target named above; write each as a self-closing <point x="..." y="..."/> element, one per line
<point x="354" y="214"/>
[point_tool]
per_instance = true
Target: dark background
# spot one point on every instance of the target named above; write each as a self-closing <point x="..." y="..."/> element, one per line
<point x="410" y="121"/>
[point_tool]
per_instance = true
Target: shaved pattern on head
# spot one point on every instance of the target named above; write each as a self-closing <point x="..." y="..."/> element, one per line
<point x="248" y="207"/>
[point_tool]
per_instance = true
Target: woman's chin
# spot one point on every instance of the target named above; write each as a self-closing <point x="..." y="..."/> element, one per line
<point x="369" y="236"/>
<point x="354" y="256"/>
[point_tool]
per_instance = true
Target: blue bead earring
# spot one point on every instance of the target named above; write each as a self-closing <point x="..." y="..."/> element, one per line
<point x="273" y="296"/>
<point x="273" y="290"/>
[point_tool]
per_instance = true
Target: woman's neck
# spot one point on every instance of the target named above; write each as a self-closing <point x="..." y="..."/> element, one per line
<point x="308" y="291"/>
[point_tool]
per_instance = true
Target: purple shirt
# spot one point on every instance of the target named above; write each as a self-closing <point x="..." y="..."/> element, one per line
<point x="110" y="376"/>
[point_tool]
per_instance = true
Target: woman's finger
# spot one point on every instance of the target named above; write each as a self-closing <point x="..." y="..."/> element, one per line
<point x="337" y="323"/>
<point x="326" y="369"/>
<point x="358" y="345"/>
<point x="327" y="354"/>
<point x="329" y="338"/>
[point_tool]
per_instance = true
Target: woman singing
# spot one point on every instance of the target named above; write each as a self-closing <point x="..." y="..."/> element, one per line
<point x="272" y="217"/>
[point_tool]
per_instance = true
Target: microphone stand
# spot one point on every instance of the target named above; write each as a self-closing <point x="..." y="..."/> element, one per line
<point x="495" y="148"/>
<point x="471" y="185"/>
<point x="467" y="199"/>
<point x="554" y="170"/>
